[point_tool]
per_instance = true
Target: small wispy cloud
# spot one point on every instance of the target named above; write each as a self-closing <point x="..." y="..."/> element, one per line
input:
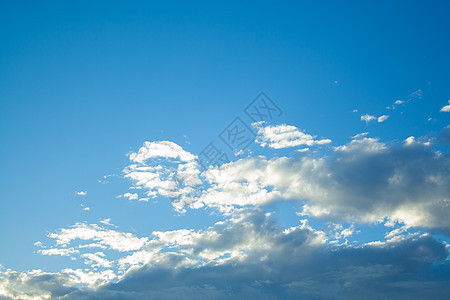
<point x="107" y="222"/>
<point x="130" y="196"/>
<point x="82" y="193"/>
<point x="368" y="118"/>
<point x="414" y="95"/>
<point x="359" y="135"/>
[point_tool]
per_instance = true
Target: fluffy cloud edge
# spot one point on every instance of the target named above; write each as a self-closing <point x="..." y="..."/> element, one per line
<point x="284" y="136"/>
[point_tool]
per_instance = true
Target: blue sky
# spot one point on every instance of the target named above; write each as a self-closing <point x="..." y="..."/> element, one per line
<point x="85" y="87"/>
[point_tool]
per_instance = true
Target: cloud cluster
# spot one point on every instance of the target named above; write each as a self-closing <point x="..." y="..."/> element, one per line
<point x="163" y="169"/>
<point x="251" y="256"/>
<point x="405" y="186"/>
<point x="364" y="180"/>
<point x="368" y="118"/>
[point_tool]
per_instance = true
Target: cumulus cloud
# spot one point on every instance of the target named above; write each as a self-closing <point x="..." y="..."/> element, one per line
<point x="299" y="266"/>
<point x="162" y="149"/>
<point x="35" y="284"/>
<point x="446" y="108"/>
<point x="284" y="136"/>
<point x="412" y="141"/>
<point x="82" y="193"/>
<point x="173" y="174"/>
<point x="365" y="181"/>
<point x="251" y="256"/>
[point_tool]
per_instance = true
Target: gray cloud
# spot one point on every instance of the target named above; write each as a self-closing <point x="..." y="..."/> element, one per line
<point x="297" y="266"/>
<point x="362" y="181"/>
<point x="273" y="263"/>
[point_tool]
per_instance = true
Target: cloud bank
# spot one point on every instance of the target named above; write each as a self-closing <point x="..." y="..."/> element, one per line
<point x="251" y="256"/>
<point x="401" y="186"/>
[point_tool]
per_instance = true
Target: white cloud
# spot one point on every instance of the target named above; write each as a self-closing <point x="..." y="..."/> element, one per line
<point x="131" y="196"/>
<point x="413" y="96"/>
<point x="61" y="252"/>
<point x="284" y="136"/>
<point x="396" y="232"/>
<point x="362" y="145"/>
<point x="97" y="260"/>
<point x="359" y="135"/>
<point x="91" y="279"/>
<point x="382" y="118"/>
<point x="446" y="108"/>
<point x="33" y="285"/>
<point x="162" y="149"/>
<point x="412" y="141"/>
<point x="162" y="177"/>
<point x="115" y="240"/>
<point x="82" y="193"/>
<point x="367" y="118"/>
<point x="107" y="222"/>
<point x="366" y="181"/>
